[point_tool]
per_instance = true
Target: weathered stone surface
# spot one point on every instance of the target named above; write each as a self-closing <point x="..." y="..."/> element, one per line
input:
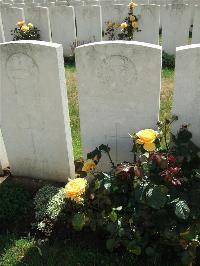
<point x="2" y="37"/>
<point x="63" y="27"/>
<point x="36" y="126"/>
<point x="113" y="13"/>
<point x="119" y="92"/>
<point x="196" y="26"/>
<point x="187" y="89"/>
<point x="3" y="155"/>
<point x="149" y="22"/>
<point x="175" y="26"/>
<point x="39" y="16"/>
<point x="88" y="21"/>
<point x="10" y="17"/>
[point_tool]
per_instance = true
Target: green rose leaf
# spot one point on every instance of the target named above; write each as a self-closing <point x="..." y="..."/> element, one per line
<point x="78" y="221"/>
<point x="157" y="196"/>
<point x="186" y="258"/>
<point x="113" y="216"/>
<point x="110" y="244"/>
<point x="182" y="210"/>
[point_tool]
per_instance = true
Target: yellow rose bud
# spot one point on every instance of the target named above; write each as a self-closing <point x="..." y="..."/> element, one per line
<point x="24" y="28"/>
<point x="124" y="25"/>
<point x="135" y="24"/>
<point x="132" y="18"/>
<point x="30" y="25"/>
<point x="132" y="5"/>
<point x="20" y="23"/>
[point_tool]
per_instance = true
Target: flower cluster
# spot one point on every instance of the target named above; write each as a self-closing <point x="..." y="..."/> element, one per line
<point x="125" y="30"/>
<point x="25" y="31"/>
<point x="148" y="206"/>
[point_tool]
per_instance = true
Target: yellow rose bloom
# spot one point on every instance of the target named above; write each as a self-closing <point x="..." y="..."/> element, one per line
<point x="75" y="188"/>
<point x="124" y="25"/>
<point x="24" y="28"/>
<point x="132" y="18"/>
<point x="30" y="25"/>
<point x="135" y="24"/>
<point x="146" y="137"/>
<point x="89" y="166"/>
<point x="20" y="23"/>
<point x="132" y="5"/>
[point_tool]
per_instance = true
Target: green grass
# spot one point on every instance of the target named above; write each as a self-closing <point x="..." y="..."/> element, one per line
<point x="73" y="109"/>
<point x="21" y="251"/>
<point x="27" y="251"/>
<point x="166" y="96"/>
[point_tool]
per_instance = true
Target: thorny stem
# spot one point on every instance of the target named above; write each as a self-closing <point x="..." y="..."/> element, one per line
<point x="111" y="161"/>
<point x="165" y="137"/>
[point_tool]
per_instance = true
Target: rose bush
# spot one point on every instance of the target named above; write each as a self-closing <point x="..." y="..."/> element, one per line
<point x="149" y="206"/>
<point x="25" y="31"/>
<point x="126" y="29"/>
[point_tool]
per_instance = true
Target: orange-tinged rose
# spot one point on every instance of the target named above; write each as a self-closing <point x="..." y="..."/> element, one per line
<point x="20" y="23"/>
<point x="75" y="189"/>
<point x="89" y="166"/>
<point x="135" y="24"/>
<point x="132" y="18"/>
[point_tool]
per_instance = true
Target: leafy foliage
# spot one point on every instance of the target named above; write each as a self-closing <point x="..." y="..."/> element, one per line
<point x="149" y="206"/>
<point x="168" y="61"/>
<point x="25" y="32"/>
<point x="124" y="30"/>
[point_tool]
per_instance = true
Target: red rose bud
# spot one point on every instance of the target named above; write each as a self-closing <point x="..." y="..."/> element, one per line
<point x="171" y="159"/>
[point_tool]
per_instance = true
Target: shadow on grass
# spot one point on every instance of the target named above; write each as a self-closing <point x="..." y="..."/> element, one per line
<point x="77" y="252"/>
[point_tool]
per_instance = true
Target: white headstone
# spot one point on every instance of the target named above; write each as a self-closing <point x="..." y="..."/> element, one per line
<point x="92" y="2"/>
<point x="88" y="21"/>
<point x="149" y="22"/>
<point x="106" y="2"/>
<point x="119" y="92"/>
<point x="10" y="17"/>
<point x="2" y="37"/>
<point x="113" y="13"/>
<point x="196" y="26"/>
<point x="39" y="16"/>
<point x="187" y="89"/>
<point x="61" y="3"/>
<point x="63" y="27"/>
<point x="175" y="26"/>
<point x="3" y="155"/>
<point x="36" y="126"/>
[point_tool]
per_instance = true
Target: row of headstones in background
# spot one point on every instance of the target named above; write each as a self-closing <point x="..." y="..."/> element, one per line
<point x="115" y="98"/>
<point x="20" y="3"/>
<point x="57" y="23"/>
<point x="34" y="110"/>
